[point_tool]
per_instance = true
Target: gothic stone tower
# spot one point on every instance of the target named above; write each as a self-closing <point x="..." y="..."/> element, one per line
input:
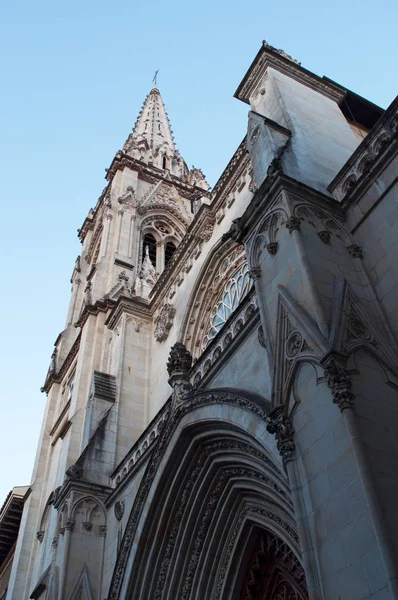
<point x="99" y="398"/>
<point x="263" y="467"/>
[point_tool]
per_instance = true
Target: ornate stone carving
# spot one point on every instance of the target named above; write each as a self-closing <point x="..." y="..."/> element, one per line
<point x="74" y="472"/>
<point x="272" y="247"/>
<point x="339" y="382"/>
<point x="119" y="509"/>
<point x="164" y="322"/>
<point x="280" y="426"/>
<point x="180" y="359"/>
<point x="293" y="224"/>
<point x="355" y="251"/>
<point x="293" y="344"/>
<point x="358" y="329"/>
<point x="87" y="525"/>
<point x="178" y="366"/>
<point x="273" y="572"/>
<point x="324" y="236"/>
<point x="102" y="530"/>
<point x="87" y="293"/>
<point x="255" y="273"/>
<point x="54" y="543"/>
<point x="236" y="231"/>
<point x="40" y="535"/>
<point x="142" y="494"/>
<point x="69" y="524"/>
<point x="280" y="52"/>
<point x="53" y="363"/>
<point x="206" y="232"/>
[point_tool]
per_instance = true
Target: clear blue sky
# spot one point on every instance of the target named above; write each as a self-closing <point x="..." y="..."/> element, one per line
<point x="74" y="76"/>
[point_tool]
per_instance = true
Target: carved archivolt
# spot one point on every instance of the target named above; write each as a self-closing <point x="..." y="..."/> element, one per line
<point x="183" y="537"/>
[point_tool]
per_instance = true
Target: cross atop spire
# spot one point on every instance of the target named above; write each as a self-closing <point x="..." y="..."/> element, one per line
<point x="154" y="80"/>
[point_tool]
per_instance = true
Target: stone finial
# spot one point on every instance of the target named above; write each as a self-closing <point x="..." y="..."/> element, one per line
<point x="340" y="383"/>
<point x="178" y="366"/>
<point x="53" y="362"/>
<point x="180" y="359"/>
<point x="280" y="426"/>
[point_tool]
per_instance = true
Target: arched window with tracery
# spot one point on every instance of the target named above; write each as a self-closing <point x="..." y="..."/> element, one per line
<point x="233" y="292"/>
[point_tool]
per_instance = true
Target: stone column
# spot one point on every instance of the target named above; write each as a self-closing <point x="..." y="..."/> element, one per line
<point x="341" y="387"/>
<point x="280" y="425"/>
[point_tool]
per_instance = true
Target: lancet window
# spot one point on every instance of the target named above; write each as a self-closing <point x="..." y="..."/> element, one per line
<point x="233" y="292"/>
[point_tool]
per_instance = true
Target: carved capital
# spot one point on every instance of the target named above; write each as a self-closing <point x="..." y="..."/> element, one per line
<point x="339" y="382"/>
<point x="280" y="426"/>
<point x="324" y="236"/>
<point x="102" y="530"/>
<point x="272" y="247"/>
<point x="87" y="525"/>
<point x="40" y="535"/>
<point x="55" y="542"/>
<point x="255" y="273"/>
<point x="355" y="251"/>
<point x="69" y="524"/>
<point x="293" y="224"/>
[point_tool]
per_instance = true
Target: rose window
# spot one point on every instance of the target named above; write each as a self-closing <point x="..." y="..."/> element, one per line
<point x="233" y="292"/>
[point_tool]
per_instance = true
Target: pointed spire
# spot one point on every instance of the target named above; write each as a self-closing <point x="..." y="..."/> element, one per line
<point x="152" y="139"/>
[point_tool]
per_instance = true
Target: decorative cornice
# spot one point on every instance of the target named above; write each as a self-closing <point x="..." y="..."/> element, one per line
<point x="278" y="60"/>
<point x="102" y="305"/>
<point x="363" y="162"/>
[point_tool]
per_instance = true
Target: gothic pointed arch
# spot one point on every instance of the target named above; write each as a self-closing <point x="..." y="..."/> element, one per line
<point x="222" y="284"/>
<point x="209" y="482"/>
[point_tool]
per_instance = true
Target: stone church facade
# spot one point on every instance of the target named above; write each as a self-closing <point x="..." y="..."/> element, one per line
<point x="222" y="414"/>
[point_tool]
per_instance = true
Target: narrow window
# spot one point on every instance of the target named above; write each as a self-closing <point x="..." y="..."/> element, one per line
<point x="164" y="162"/>
<point x="169" y="250"/>
<point x="149" y="240"/>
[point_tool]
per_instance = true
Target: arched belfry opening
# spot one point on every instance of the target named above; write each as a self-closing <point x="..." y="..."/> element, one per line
<point x="150" y="241"/>
<point x="169" y="250"/>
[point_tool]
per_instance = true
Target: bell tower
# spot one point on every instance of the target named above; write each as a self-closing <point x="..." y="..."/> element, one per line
<point x="98" y="383"/>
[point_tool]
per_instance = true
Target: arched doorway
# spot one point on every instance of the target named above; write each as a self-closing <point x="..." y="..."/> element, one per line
<point x="272" y="570"/>
<point x="213" y="510"/>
